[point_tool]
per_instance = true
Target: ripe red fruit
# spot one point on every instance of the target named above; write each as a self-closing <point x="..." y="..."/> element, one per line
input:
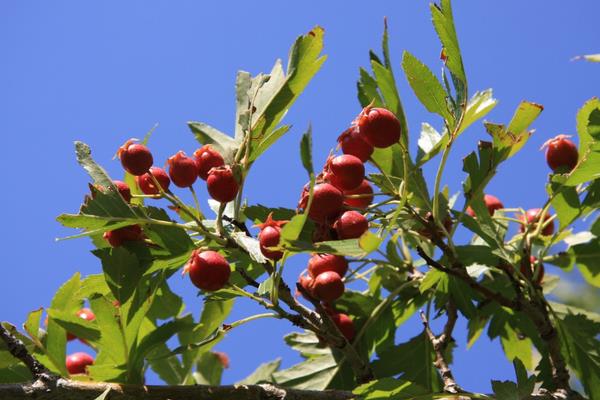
<point x="135" y="158"/>
<point x="123" y="189"/>
<point x="207" y="158"/>
<point x="359" y="202"/>
<point x="491" y="202"/>
<point x="208" y="270"/>
<point x="183" y="170"/>
<point x="344" y="324"/>
<point x="351" y="225"/>
<point x="561" y="153"/>
<point x="352" y="142"/>
<point x="379" y="127"/>
<point x="532" y="217"/>
<point x="320" y="263"/>
<point x="130" y="233"/>
<point x="146" y="183"/>
<point x="323" y="232"/>
<point x="307" y="283"/>
<point x="327" y="202"/>
<point x="223" y="358"/>
<point x="270" y="232"/>
<point x="533" y="265"/>
<point x="78" y="362"/>
<point x="221" y="184"/>
<point x="345" y="172"/>
<point x="328" y="286"/>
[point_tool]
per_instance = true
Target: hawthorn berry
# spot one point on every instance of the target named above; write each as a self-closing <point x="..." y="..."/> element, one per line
<point x="529" y="269"/>
<point x="135" y="158"/>
<point x="561" y="153"/>
<point x="327" y="202"/>
<point x="86" y="314"/>
<point x="221" y="184"/>
<point x="532" y="217"/>
<point x="353" y="143"/>
<point x="206" y="158"/>
<point x="328" y="286"/>
<point x="223" y="358"/>
<point x="124" y="190"/>
<point x="77" y="362"/>
<point x="365" y="190"/>
<point x="351" y="225"/>
<point x="345" y="172"/>
<point x="307" y="283"/>
<point x="379" y="127"/>
<point x="320" y="263"/>
<point x="344" y="324"/>
<point x="183" y="170"/>
<point x="270" y="233"/>
<point x="146" y="183"/>
<point x="491" y="202"/>
<point x="208" y="270"/>
<point x="323" y="232"/>
<point x="130" y="233"/>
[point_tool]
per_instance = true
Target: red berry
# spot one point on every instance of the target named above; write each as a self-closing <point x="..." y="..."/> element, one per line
<point x="328" y="286"/>
<point x="130" y="233"/>
<point x="135" y="158"/>
<point x="146" y="183"/>
<point x="532" y="217"/>
<point x="352" y="142"/>
<point x="320" y="263"/>
<point x="327" y="202"/>
<point x="351" y="225"/>
<point x="533" y="265"/>
<point x="359" y="202"/>
<point x="345" y="172"/>
<point x="379" y="127"/>
<point x="207" y="158"/>
<point x="123" y="189"/>
<point x="221" y="184"/>
<point x="208" y="270"/>
<point x="561" y="153"/>
<point x="223" y="358"/>
<point x="344" y="324"/>
<point x="78" y="362"/>
<point x="183" y="170"/>
<point x="491" y="202"/>
<point x="307" y="283"/>
<point x="269" y="237"/>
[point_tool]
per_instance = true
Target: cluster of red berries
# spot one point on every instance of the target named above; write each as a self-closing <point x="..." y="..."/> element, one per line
<point x="207" y="164"/>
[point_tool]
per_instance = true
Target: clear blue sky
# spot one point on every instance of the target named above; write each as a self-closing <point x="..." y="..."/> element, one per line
<point x="105" y="71"/>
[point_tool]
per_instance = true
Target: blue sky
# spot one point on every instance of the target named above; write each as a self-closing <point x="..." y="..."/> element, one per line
<point x="102" y="72"/>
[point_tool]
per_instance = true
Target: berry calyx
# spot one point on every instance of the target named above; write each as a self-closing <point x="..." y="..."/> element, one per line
<point x="351" y="225"/>
<point x="532" y="217"/>
<point x="379" y="127"/>
<point x="345" y="172"/>
<point x="328" y="286"/>
<point x="183" y="170"/>
<point x="221" y="184"/>
<point x="491" y="202"/>
<point x="147" y="185"/>
<point x="206" y="158"/>
<point x="528" y="269"/>
<point x="270" y="233"/>
<point x="353" y="143"/>
<point x="561" y="153"/>
<point x="344" y="324"/>
<point x="135" y="158"/>
<point x="77" y="362"/>
<point x="320" y="263"/>
<point x="327" y="202"/>
<point x="130" y="233"/>
<point x="208" y="270"/>
<point x="364" y="190"/>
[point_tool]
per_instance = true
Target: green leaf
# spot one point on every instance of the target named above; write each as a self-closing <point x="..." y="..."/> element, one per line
<point x="112" y="343"/>
<point x="209" y="369"/>
<point x="166" y="304"/>
<point x="306" y="343"/>
<point x="480" y="104"/>
<point x="79" y="327"/>
<point x="525" y="383"/>
<point x="17" y="373"/>
<point x="250" y="245"/>
<point x="32" y="325"/>
<point x="506" y="390"/>
<point x="169" y="369"/>
<point x="223" y="143"/>
<point x="586" y="258"/>
<point x="104" y="394"/>
<point x="443" y="22"/>
<point x="392" y="389"/>
<point x="431" y="142"/>
<point x="98" y="174"/>
<point x="306" y="151"/>
<point x="367" y="89"/>
<point x="426" y="86"/>
<point x="413" y="359"/>
<point x="315" y="373"/>
<point x="122" y="271"/>
<point x="173" y="239"/>
<point x="259" y="213"/>
<point x="347" y="247"/>
<point x="565" y="202"/>
<point x="369" y="242"/>
<point x="262" y="374"/>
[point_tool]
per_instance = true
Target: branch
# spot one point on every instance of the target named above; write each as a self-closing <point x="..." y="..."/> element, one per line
<point x="71" y="390"/>
<point x="439" y="346"/>
<point x="19" y="351"/>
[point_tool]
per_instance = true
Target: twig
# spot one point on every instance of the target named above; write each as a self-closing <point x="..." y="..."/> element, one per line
<point x="439" y="345"/>
<point x="19" y="351"/>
